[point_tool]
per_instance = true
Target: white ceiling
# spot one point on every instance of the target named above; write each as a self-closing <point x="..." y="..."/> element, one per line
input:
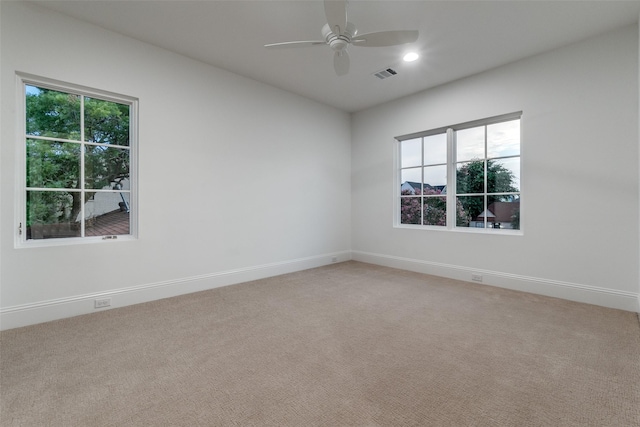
<point x="457" y="38"/>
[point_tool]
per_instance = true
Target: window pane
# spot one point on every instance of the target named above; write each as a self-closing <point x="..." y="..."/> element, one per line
<point x="106" y="122"/>
<point x="51" y="113"/>
<point x="435" y="149"/>
<point x="435" y="179"/>
<point x="470" y="211"/>
<point x="107" y="213"/>
<point x="104" y="166"/>
<point x="435" y="211"/>
<point x="504" y="213"/>
<point x="411" y="181"/>
<point x="470" y="144"/>
<point x="410" y="211"/>
<point x="503" y="139"/>
<point x="470" y="177"/>
<point x="52" y="214"/>
<point x="503" y="176"/>
<point x="411" y="153"/>
<point x="52" y="164"/>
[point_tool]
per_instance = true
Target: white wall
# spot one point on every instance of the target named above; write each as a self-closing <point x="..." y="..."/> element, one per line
<point x="306" y="194"/>
<point x="579" y="175"/>
<point x="238" y="180"/>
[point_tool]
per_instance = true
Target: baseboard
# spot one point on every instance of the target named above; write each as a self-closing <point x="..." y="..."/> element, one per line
<point x="45" y="311"/>
<point x="628" y="301"/>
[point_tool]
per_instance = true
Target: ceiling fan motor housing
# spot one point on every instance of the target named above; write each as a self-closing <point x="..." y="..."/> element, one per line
<point x="339" y="42"/>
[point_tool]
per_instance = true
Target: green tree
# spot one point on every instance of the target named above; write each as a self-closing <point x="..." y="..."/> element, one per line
<point x="470" y="181"/>
<point x="55" y="164"/>
<point x="515" y="220"/>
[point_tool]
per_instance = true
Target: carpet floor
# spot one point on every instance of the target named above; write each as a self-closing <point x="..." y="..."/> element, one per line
<point x="349" y="344"/>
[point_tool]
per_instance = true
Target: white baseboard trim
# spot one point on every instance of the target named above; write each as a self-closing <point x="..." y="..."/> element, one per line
<point x="611" y="298"/>
<point x="45" y="311"/>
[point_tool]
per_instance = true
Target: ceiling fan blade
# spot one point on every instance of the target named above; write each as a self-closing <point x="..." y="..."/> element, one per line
<point x="296" y="44"/>
<point x="385" y="38"/>
<point x="336" y="11"/>
<point x="341" y="62"/>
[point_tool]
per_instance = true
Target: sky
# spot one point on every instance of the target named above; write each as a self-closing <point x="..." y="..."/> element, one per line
<point x="503" y="140"/>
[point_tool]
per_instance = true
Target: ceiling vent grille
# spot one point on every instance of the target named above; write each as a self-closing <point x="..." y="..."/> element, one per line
<point x="386" y="73"/>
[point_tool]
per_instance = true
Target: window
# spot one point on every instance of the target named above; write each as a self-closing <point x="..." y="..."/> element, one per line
<point x="79" y="150"/>
<point x="461" y="176"/>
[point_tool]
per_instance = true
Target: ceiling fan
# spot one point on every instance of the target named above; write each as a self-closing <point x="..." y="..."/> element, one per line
<point x="338" y="33"/>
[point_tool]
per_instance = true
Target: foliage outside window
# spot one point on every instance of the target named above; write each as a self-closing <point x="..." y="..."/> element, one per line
<point x="78" y="163"/>
<point x="463" y="176"/>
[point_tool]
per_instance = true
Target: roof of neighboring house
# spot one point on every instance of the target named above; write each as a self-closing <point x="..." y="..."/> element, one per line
<point x="417" y="185"/>
<point x="108" y="224"/>
<point x="111" y="223"/>
<point x="486" y="213"/>
<point x="500" y="211"/>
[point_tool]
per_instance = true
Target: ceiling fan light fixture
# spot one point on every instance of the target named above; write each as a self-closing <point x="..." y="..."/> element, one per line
<point x="410" y="57"/>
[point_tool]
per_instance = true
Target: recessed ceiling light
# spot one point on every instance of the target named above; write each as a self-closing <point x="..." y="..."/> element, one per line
<point x="411" y="56"/>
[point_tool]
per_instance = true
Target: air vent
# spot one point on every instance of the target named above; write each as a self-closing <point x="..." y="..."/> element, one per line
<point x="386" y="73"/>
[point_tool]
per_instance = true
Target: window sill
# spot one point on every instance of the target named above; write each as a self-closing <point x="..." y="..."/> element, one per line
<point x="469" y="230"/>
<point x="71" y="241"/>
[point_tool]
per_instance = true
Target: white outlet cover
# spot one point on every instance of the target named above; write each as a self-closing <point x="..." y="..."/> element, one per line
<point x="104" y="302"/>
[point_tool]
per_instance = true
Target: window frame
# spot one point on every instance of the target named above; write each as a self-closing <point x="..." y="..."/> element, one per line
<point x="451" y="191"/>
<point x="23" y="80"/>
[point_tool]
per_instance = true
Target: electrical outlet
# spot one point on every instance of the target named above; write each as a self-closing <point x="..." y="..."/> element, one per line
<point x="476" y="278"/>
<point x="334" y="259"/>
<point x="103" y="302"/>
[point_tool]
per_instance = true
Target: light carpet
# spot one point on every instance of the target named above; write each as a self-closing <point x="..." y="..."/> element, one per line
<point x="349" y="344"/>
